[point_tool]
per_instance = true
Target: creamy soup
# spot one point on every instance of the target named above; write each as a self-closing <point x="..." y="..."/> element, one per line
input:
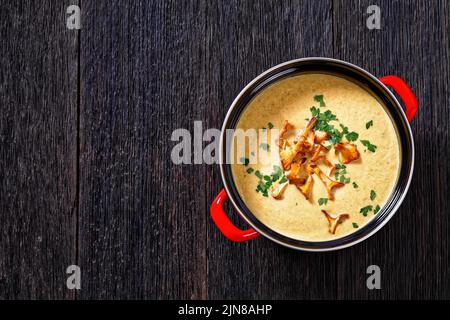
<point x="366" y="182"/>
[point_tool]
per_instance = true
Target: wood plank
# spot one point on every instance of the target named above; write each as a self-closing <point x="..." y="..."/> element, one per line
<point x="142" y="218"/>
<point x="38" y="94"/>
<point x="244" y="39"/>
<point x="412" y="250"/>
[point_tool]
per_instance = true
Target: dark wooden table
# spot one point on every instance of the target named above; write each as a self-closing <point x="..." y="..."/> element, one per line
<point x="85" y="124"/>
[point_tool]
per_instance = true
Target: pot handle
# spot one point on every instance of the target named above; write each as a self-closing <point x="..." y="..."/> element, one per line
<point x="405" y="92"/>
<point x="224" y="224"/>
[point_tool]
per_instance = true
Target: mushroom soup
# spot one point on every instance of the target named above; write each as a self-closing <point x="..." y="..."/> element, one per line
<point x="333" y="161"/>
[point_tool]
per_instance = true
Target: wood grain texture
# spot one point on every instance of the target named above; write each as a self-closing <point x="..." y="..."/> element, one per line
<point x="412" y="249"/>
<point x="142" y="218"/>
<point x="38" y="98"/>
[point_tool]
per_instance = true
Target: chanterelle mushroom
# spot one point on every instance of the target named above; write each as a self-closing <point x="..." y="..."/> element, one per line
<point x="277" y="190"/>
<point x="309" y="127"/>
<point x="288" y="155"/>
<point x="333" y="221"/>
<point x="331" y="167"/>
<point x="305" y="188"/>
<point x="282" y="142"/>
<point x="347" y="152"/>
<point x="320" y="136"/>
<point x="329" y="184"/>
<point x="297" y="174"/>
<point x="317" y="152"/>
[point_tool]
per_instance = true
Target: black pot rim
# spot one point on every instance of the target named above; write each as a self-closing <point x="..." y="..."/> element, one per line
<point x="361" y="77"/>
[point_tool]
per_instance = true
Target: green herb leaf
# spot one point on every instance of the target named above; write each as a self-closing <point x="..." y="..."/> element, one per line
<point x="244" y="161"/>
<point x="277" y="169"/>
<point x="355" y="225"/>
<point x="335" y="136"/>
<point x="270" y="125"/>
<point x="369" y="146"/>
<point x="377" y="208"/>
<point x="250" y="170"/>
<point x="277" y="173"/>
<point x="314" y="111"/>
<point x="264" y="146"/>
<point x="369" y="124"/>
<point x="327" y="116"/>
<point x="355" y="185"/>
<point x="323" y="124"/>
<point x="261" y="185"/>
<point x="319" y="98"/>
<point x="351" y="136"/>
<point x="373" y="195"/>
<point x="266" y="181"/>
<point x="365" y="210"/>
<point x="340" y="166"/>
<point x="344" y="129"/>
<point x="322" y="201"/>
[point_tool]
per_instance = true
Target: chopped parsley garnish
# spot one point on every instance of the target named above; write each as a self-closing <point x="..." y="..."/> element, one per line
<point x="377" y="208"/>
<point x="373" y="195"/>
<point x="351" y="136"/>
<point x="369" y="124"/>
<point x="277" y="169"/>
<point x="278" y="172"/>
<point x="365" y="210"/>
<point x="323" y="124"/>
<point x="326" y="116"/>
<point x="314" y="111"/>
<point x="270" y="125"/>
<point x="344" y="129"/>
<point x="264" y="146"/>
<point x="355" y="185"/>
<point x="355" y="225"/>
<point x="340" y="172"/>
<point x="250" y="170"/>
<point x="319" y="98"/>
<point x="244" y="161"/>
<point x="266" y="181"/>
<point x="322" y="201"/>
<point x="369" y="146"/>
